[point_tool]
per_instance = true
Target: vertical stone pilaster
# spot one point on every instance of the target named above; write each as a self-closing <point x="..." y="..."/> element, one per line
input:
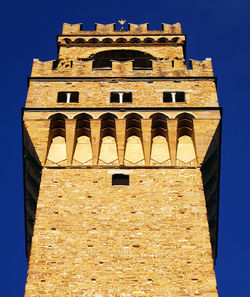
<point x="172" y="139"/>
<point x="70" y="127"/>
<point x="95" y="128"/>
<point x="146" y="126"/>
<point x="120" y="130"/>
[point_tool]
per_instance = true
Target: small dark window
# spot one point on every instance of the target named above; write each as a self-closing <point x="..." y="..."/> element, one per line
<point x="127" y="97"/>
<point x="114" y="97"/>
<point x="167" y="97"/>
<point x="180" y="97"/>
<point x="120" y="180"/>
<point x="120" y="97"/>
<point x="68" y="97"/>
<point x="102" y="64"/>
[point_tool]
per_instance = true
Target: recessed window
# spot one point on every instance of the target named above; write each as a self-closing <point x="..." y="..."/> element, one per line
<point x="120" y="97"/>
<point x="142" y="64"/>
<point x="173" y="97"/>
<point x="102" y="64"/>
<point x="68" y="97"/>
<point x="120" y="180"/>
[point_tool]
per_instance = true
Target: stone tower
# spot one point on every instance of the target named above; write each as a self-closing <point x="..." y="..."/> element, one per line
<point x="121" y="166"/>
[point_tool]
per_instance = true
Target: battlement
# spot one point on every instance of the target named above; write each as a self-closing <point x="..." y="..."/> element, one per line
<point x="133" y="29"/>
<point x="157" y="68"/>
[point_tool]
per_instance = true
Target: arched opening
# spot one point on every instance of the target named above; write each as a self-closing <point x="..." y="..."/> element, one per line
<point x="175" y="39"/>
<point x="107" y="40"/>
<point x="135" y="40"/>
<point x="141" y="60"/>
<point x="108" y="149"/>
<point x="185" y="134"/>
<point x="121" y="40"/>
<point x="148" y="40"/>
<point x="67" y="40"/>
<point x="83" y="151"/>
<point x="93" y="40"/>
<point x="162" y="40"/>
<point x="160" y="150"/>
<point x="57" y="144"/>
<point x="134" y="151"/>
<point x="79" y="40"/>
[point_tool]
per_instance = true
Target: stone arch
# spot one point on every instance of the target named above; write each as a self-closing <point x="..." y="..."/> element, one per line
<point x="133" y="124"/>
<point x="175" y="39"/>
<point x="83" y="150"/>
<point x="107" y="40"/>
<point x="104" y="59"/>
<point x="160" y="147"/>
<point x="93" y="40"/>
<point x="135" y="40"/>
<point x="121" y="40"/>
<point x="148" y="40"/>
<point x="108" y="149"/>
<point x="57" y="140"/>
<point x="185" y="144"/>
<point x="162" y="40"/>
<point x="67" y="40"/>
<point x="134" y="151"/>
<point x="80" y="40"/>
<point x="159" y="124"/>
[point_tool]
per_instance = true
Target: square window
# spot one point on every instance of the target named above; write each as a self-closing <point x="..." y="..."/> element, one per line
<point x="114" y="97"/>
<point x="167" y="97"/>
<point x="180" y="97"/>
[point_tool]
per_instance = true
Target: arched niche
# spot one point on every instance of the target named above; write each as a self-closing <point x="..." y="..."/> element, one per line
<point x="83" y="150"/>
<point x="160" y="147"/>
<point x="108" y="149"/>
<point x="57" y="143"/>
<point x="185" y="143"/>
<point x="134" y="151"/>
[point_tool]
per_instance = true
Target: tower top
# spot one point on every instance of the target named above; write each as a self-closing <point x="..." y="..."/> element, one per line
<point x="100" y="29"/>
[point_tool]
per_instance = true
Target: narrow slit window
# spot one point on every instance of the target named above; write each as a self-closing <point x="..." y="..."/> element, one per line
<point x="120" y="180"/>
<point x="120" y="97"/>
<point x="68" y="97"/>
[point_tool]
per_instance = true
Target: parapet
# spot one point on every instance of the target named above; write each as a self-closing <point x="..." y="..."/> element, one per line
<point x="205" y="65"/>
<point x="162" y="68"/>
<point x="76" y="29"/>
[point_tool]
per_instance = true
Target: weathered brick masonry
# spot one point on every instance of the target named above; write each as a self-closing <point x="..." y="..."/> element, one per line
<point x="121" y="195"/>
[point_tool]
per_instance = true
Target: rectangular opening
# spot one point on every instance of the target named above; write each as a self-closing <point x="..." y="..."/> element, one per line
<point x="102" y="64"/>
<point x="68" y="97"/>
<point x="120" y="97"/>
<point x="127" y="97"/>
<point x="120" y="180"/>
<point x="114" y="97"/>
<point x="180" y="97"/>
<point x="167" y="97"/>
<point x="142" y="64"/>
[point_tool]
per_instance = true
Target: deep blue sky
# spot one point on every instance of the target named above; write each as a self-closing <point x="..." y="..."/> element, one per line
<point x="216" y="29"/>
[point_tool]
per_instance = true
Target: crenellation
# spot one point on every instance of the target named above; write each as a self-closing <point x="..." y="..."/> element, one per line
<point x="160" y="67"/>
<point x="76" y="29"/>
